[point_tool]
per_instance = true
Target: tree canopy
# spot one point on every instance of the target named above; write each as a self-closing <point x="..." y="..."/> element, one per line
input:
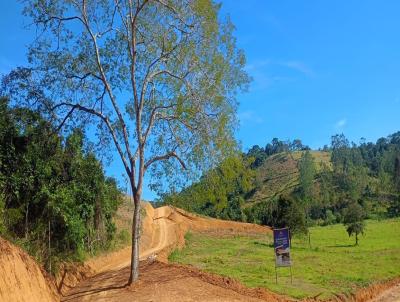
<point x="354" y="220"/>
<point x="157" y="78"/>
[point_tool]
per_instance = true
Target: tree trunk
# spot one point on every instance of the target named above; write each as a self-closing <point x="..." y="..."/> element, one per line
<point x="99" y="232"/>
<point x="49" y="246"/>
<point x="134" y="274"/>
<point x="356" y="239"/>
<point x="397" y="172"/>
<point x="26" y="220"/>
<point x="97" y="214"/>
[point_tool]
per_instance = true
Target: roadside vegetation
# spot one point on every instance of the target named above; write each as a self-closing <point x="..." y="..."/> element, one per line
<point x="333" y="264"/>
<point x="55" y="200"/>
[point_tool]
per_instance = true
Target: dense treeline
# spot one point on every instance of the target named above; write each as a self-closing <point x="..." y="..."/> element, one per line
<point x="360" y="181"/>
<point x="276" y="146"/>
<point x="220" y="192"/>
<point x="55" y="200"/>
<point x="366" y="174"/>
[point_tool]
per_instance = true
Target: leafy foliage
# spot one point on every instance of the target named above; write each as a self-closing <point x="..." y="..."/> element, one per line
<point x="280" y="212"/>
<point x="354" y="220"/>
<point x="306" y="175"/>
<point x="158" y="78"/>
<point x="318" y="186"/>
<point x="219" y="193"/>
<point x="55" y="198"/>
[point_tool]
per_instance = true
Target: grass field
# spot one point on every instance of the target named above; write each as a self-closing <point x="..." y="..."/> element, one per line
<point x="332" y="265"/>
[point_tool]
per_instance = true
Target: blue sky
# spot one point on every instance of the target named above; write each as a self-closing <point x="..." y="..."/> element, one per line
<point x="319" y="68"/>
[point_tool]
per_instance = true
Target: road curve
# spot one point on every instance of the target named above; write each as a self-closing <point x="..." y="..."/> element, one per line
<point x="163" y="282"/>
<point x="91" y="289"/>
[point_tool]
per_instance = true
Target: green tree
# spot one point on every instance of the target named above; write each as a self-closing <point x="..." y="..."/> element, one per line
<point x="55" y="199"/>
<point x="354" y="220"/>
<point x="397" y="173"/>
<point x="258" y="154"/>
<point x="281" y="212"/>
<point x="307" y="171"/>
<point x="394" y="208"/>
<point x="220" y="190"/>
<point x="158" y="77"/>
<point x="340" y="157"/>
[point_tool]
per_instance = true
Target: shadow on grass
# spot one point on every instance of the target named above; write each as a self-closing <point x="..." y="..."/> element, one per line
<point x="342" y="245"/>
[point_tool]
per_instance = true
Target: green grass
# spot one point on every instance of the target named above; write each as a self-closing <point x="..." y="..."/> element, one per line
<point x="332" y="265"/>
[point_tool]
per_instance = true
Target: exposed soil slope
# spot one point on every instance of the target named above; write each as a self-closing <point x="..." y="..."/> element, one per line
<point x="21" y="278"/>
<point x="104" y="278"/>
<point x="166" y="282"/>
<point x="392" y="294"/>
<point x="163" y="229"/>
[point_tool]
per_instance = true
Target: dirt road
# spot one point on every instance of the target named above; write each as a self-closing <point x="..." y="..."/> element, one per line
<point x="390" y="295"/>
<point x="163" y="237"/>
<point x="163" y="229"/>
<point x="160" y="281"/>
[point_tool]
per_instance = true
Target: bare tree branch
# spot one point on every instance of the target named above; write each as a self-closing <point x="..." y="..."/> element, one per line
<point x="107" y="85"/>
<point x="166" y="156"/>
<point x="152" y="118"/>
<point x="103" y="118"/>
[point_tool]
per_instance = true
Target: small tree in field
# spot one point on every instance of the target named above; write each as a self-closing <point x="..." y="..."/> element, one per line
<point x="354" y="220"/>
<point x="158" y="78"/>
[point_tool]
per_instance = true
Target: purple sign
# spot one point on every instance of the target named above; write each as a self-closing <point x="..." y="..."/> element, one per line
<point x="282" y="247"/>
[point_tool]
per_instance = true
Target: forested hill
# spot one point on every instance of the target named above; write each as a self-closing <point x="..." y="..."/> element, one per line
<point x="287" y="180"/>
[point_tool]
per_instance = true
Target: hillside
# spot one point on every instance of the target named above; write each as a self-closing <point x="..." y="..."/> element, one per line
<point x="163" y="229"/>
<point x="287" y="183"/>
<point x="279" y="174"/>
<point x="21" y="278"/>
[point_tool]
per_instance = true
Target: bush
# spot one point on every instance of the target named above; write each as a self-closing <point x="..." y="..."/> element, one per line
<point x="330" y="218"/>
<point x="394" y="208"/>
<point x="279" y="213"/>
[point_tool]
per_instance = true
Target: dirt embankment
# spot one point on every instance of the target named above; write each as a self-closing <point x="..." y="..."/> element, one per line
<point x="380" y="292"/>
<point x="163" y="230"/>
<point x="21" y="278"/>
<point x="104" y="278"/>
<point x="390" y="293"/>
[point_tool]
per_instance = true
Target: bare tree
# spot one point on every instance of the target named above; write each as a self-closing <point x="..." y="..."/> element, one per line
<point x="157" y="77"/>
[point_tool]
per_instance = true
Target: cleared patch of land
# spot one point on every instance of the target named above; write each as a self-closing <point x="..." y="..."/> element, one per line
<point x="332" y="264"/>
<point x="279" y="174"/>
<point x="163" y="229"/>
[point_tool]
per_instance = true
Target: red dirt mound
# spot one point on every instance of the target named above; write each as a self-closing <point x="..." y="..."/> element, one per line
<point x="166" y="283"/>
<point x="21" y="279"/>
